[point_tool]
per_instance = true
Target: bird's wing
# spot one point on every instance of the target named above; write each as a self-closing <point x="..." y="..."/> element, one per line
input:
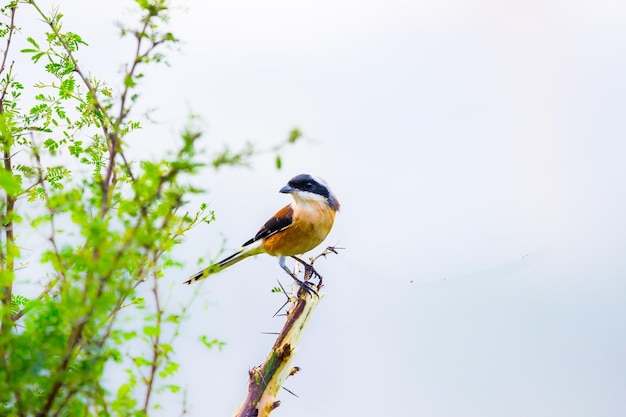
<point x="280" y="221"/>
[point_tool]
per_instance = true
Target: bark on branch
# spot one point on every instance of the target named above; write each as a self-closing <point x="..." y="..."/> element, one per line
<point x="267" y="379"/>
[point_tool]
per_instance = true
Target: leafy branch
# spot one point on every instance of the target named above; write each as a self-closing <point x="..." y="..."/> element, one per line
<point x="105" y="224"/>
<point x="109" y="232"/>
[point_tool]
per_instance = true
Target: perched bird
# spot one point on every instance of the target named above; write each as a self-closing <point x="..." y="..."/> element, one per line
<point x="293" y="230"/>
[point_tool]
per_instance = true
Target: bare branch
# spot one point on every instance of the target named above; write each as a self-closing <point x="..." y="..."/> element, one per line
<point x="267" y="379"/>
<point x="8" y="44"/>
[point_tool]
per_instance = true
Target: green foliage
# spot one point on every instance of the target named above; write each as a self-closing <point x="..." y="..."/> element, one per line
<point x="294" y="135"/>
<point x="242" y="157"/>
<point x="238" y="158"/>
<point x="111" y="224"/>
<point x="18" y="303"/>
<point x="210" y="344"/>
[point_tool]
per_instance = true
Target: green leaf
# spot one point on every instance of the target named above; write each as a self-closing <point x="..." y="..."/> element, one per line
<point x="279" y="162"/>
<point x="210" y="344"/>
<point x="6" y="129"/>
<point x="36" y="57"/>
<point x="129" y="81"/>
<point x="10" y="183"/>
<point x="151" y="331"/>
<point x="51" y="145"/>
<point x="17" y="302"/>
<point x="169" y="369"/>
<point x="294" y="135"/>
<point x="67" y="88"/>
<point x="140" y="361"/>
<point x="33" y="42"/>
<point x="76" y="149"/>
<point x="173" y="388"/>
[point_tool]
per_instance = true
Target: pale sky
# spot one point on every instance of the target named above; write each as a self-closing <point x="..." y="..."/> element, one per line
<point x="477" y="148"/>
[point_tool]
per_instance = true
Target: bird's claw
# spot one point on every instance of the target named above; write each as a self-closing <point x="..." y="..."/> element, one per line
<point x="307" y="287"/>
<point x="310" y="272"/>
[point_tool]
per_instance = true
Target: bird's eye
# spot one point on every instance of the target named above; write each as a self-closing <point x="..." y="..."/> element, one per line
<point x="308" y="185"/>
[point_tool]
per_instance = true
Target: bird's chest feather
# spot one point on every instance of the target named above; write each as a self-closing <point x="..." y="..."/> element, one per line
<point x="311" y="224"/>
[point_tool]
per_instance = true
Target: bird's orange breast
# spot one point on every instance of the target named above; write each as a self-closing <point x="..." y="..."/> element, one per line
<point x="310" y="226"/>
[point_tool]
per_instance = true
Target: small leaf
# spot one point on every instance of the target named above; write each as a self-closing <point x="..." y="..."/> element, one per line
<point x="76" y="149"/>
<point x="33" y="42"/>
<point x="294" y="135"/>
<point x="10" y="183"/>
<point x="6" y="128"/>
<point x="212" y="343"/>
<point x="279" y="162"/>
<point x="139" y="361"/>
<point x="51" y="145"/>
<point x="36" y="57"/>
<point x="151" y="331"/>
<point x="67" y="88"/>
<point x="173" y="388"/>
<point x="129" y="81"/>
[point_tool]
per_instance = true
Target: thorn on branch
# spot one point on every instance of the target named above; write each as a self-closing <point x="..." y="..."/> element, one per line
<point x="266" y="379"/>
<point x="290" y="392"/>
<point x="276" y="403"/>
<point x="286" y="302"/>
<point x="10" y="156"/>
<point x="327" y="251"/>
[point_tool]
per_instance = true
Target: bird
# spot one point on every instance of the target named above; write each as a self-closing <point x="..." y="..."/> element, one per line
<point x="294" y="230"/>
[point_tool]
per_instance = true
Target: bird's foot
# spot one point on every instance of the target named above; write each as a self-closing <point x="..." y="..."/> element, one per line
<point x="309" y="271"/>
<point x="306" y="286"/>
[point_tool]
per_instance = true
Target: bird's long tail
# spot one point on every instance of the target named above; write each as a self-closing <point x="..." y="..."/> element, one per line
<point x="224" y="263"/>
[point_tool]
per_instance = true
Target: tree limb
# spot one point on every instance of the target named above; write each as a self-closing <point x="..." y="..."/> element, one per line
<point x="267" y="379"/>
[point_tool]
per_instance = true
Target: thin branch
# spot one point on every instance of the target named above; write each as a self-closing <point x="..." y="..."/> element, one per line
<point x="9" y="38"/>
<point x="156" y="344"/>
<point x="68" y="396"/>
<point x="16" y="392"/>
<point x="74" y="339"/>
<point x="15" y="317"/>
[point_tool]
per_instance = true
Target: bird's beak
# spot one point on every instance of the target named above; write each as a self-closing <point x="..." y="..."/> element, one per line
<point x="287" y="189"/>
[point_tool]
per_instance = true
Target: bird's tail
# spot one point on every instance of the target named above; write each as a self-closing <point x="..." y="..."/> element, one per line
<point x="224" y="263"/>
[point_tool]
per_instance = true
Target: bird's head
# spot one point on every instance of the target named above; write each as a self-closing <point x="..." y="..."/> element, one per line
<point x="307" y="188"/>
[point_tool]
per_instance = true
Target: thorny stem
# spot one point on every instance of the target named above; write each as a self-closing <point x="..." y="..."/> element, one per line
<point x="266" y="379"/>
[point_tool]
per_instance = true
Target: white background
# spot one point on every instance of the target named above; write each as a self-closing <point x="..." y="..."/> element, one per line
<point x="477" y="148"/>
